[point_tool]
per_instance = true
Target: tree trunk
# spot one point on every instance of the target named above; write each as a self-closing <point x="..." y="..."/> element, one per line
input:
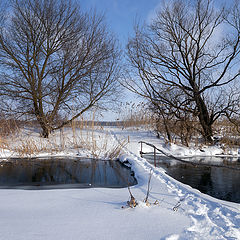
<point x="204" y="119"/>
<point x="165" y="123"/>
<point x="45" y="128"/>
<point x="167" y="130"/>
<point x="45" y="131"/>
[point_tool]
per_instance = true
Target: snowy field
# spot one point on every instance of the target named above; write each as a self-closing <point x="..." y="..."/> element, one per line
<point x="97" y="213"/>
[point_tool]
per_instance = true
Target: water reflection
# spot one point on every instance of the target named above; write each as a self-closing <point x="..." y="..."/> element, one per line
<point x="220" y="182"/>
<point x="64" y="173"/>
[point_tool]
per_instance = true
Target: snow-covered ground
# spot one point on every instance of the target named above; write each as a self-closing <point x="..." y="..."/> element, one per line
<point x="97" y="213"/>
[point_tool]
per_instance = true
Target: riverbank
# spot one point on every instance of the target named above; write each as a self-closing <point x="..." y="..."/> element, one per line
<point x="101" y="213"/>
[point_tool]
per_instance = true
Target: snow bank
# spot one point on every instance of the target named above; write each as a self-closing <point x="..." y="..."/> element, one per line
<point x="97" y="213"/>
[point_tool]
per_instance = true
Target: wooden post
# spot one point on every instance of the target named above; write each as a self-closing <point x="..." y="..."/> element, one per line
<point x="155" y="157"/>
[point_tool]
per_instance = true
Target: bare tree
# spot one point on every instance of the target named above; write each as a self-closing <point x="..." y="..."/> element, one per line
<point x="55" y="61"/>
<point x="187" y="58"/>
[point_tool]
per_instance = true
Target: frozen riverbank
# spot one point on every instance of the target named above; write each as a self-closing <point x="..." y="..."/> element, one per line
<point x="97" y="213"/>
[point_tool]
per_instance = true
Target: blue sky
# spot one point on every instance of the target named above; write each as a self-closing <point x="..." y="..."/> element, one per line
<point x="120" y="14"/>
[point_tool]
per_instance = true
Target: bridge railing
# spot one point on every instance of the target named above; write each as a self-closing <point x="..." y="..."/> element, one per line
<point x="154" y="151"/>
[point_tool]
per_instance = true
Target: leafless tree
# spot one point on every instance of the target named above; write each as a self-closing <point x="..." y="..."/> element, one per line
<point x="187" y="58"/>
<point x="55" y="61"/>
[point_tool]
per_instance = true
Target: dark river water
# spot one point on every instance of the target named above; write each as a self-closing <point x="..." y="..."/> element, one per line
<point x="221" y="181"/>
<point x="51" y="173"/>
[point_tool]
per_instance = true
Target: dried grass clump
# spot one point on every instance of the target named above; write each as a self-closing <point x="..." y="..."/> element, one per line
<point x="8" y="127"/>
<point x="31" y="147"/>
<point x="88" y="136"/>
<point x="84" y="135"/>
<point x="116" y="150"/>
<point x="135" y="115"/>
<point x="3" y="143"/>
<point x="27" y="148"/>
<point x="132" y="203"/>
<point x="227" y="134"/>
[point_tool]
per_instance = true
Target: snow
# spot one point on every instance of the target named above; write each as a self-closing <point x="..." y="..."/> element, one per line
<point x="97" y="213"/>
<point x="82" y="214"/>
